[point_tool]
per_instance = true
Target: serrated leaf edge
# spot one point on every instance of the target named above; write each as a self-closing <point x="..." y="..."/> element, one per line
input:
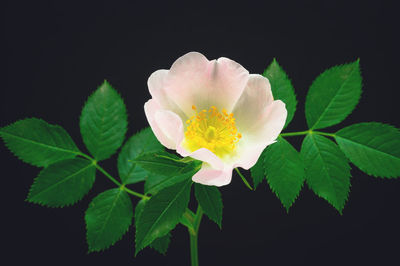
<point x="43" y="204"/>
<point x="277" y="194"/>
<point x="219" y="223"/>
<point x="340" y="210"/>
<point x="123" y="147"/>
<point x="90" y="250"/>
<point x="324" y="73"/>
<point x="291" y="85"/>
<point x="139" y="248"/>
<point x="169" y="241"/>
<point x="36" y="143"/>
<point x="126" y="116"/>
<point x="361" y="168"/>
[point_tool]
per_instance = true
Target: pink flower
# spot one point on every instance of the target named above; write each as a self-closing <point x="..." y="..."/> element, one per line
<point x="213" y="111"/>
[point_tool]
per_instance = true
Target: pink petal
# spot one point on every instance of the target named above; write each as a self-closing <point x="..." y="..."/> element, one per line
<point x="193" y="80"/>
<point x="202" y="154"/>
<point x="156" y="84"/>
<point x="271" y="122"/>
<point x="255" y="98"/>
<point x="263" y="133"/>
<point x="166" y="125"/>
<point x="249" y="154"/>
<point x="212" y="177"/>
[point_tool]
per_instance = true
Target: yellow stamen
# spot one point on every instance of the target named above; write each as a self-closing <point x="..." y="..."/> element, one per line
<point x="212" y="130"/>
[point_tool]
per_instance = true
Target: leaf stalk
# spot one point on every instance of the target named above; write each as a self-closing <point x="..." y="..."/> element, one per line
<point x="115" y="181"/>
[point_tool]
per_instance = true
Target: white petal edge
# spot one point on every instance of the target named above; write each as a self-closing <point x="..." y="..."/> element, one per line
<point x="193" y="80"/>
<point x="249" y="156"/>
<point x="213" y="177"/>
<point x="166" y="125"/>
<point x="157" y="84"/>
<point x="255" y="98"/>
<point x="265" y="133"/>
<point x="202" y="154"/>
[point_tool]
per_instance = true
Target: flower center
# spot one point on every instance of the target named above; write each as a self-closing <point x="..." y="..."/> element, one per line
<point x="212" y="130"/>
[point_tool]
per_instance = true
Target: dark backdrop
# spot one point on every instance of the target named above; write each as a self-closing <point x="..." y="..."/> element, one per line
<point x="58" y="52"/>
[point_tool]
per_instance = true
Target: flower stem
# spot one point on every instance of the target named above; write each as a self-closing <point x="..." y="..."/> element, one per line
<point x="243" y="179"/>
<point x="194" y="255"/>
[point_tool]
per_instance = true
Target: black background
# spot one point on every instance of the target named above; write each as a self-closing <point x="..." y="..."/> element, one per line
<point x="57" y="53"/>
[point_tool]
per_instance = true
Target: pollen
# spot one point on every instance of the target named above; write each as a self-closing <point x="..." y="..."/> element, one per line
<point x="213" y="130"/>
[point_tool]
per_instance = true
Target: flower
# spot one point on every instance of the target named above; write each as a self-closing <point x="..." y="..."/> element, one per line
<point x="213" y="111"/>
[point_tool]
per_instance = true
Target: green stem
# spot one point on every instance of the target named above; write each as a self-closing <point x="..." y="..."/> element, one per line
<point x="115" y="181"/>
<point x="137" y="194"/>
<point x="107" y="174"/>
<point x="194" y="255"/>
<point x="243" y="179"/>
<point x="324" y="133"/>
<point x="295" y="133"/>
<point x="85" y="156"/>
<point x="305" y="133"/>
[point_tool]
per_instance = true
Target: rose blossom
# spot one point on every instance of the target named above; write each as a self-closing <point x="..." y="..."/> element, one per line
<point x="213" y="111"/>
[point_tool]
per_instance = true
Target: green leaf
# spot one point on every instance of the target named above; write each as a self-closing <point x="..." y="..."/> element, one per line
<point x="155" y="183"/>
<point x="108" y="218"/>
<point x="63" y="183"/>
<point x="258" y="171"/>
<point x="285" y="171"/>
<point x="333" y="95"/>
<point x="103" y="122"/>
<point x="162" y="213"/>
<point x="282" y="88"/>
<point x="162" y="163"/>
<point x="139" y="209"/>
<point x="161" y="244"/>
<point x="142" y="142"/>
<point x="327" y="170"/>
<point x="210" y="200"/>
<point x="38" y="143"/>
<point x="373" y="147"/>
